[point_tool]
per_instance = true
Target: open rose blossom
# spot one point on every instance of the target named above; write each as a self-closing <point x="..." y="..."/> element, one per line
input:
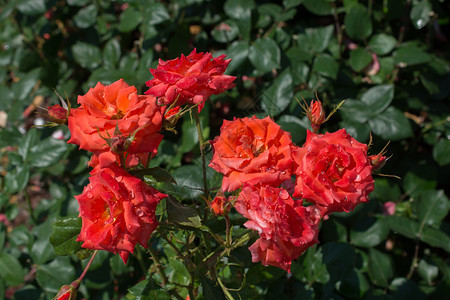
<point x="252" y="150"/>
<point x="117" y="211"/>
<point x="190" y="79"/>
<point x="333" y="171"/>
<point x="104" y="108"/>
<point x="285" y="226"/>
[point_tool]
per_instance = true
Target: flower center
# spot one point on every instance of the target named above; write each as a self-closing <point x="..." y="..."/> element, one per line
<point x="119" y="115"/>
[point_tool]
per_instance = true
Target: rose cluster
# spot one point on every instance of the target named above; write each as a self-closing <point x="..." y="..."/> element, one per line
<point x="122" y="130"/>
<point x="283" y="189"/>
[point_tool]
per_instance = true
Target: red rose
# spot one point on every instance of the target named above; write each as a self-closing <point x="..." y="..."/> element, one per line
<point x="104" y="108"/>
<point x="333" y="171"/>
<point x="316" y="114"/>
<point x="117" y="211"/>
<point x="190" y="79"/>
<point x="108" y="158"/>
<point x="252" y="150"/>
<point x="285" y="226"/>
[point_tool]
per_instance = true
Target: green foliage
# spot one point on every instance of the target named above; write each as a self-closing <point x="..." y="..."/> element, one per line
<point x="388" y="59"/>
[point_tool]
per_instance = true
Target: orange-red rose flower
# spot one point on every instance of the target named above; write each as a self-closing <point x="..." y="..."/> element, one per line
<point x="252" y="150"/>
<point x="220" y="205"/>
<point x="333" y="171"/>
<point x="190" y="79"/>
<point x="285" y="226"/>
<point x="117" y="211"/>
<point x="104" y="108"/>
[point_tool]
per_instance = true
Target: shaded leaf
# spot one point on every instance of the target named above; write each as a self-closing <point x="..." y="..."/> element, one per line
<point x="358" y="24"/>
<point x="181" y="214"/>
<point x="420" y="13"/>
<point x="326" y="65"/>
<point x="382" y="43"/>
<point x="265" y="55"/>
<point x="64" y="236"/>
<point x="11" y="271"/>
<point x="87" y="55"/>
<point x="279" y="94"/>
<point x="378" y="98"/>
<point x="391" y="125"/>
<point x="359" y="59"/>
<point x="86" y="17"/>
<point x="380" y="268"/>
<point x="369" y="232"/>
<point x="431" y="207"/>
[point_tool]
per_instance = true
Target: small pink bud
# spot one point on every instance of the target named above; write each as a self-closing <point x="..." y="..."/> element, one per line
<point x="58" y="114"/>
<point x="120" y="144"/>
<point x="389" y="208"/>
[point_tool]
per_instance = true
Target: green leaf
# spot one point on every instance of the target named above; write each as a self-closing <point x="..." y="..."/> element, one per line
<point x="295" y="126"/>
<point x="391" y="125"/>
<point x="41" y="250"/>
<point x="11" y="271"/>
<point x="27" y="142"/>
<point x="403" y="226"/>
<point x="359" y="59"/>
<point x="47" y="152"/>
<point x="225" y="35"/>
<point x="360" y="131"/>
<point x="382" y="43"/>
<point x="441" y="152"/>
<point x="55" y="274"/>
<point x="156" y="13"/>
<point x="355" y="110"/>
<point x="378" y="98"/>
<point x="22" y="89"/>
<point x="111" y="54"/>
<point x="410" y="55"/>
<point x="64" y="236"/>
<point x="353" y="286"/>
<point x="431" y="207"/>
<point x="239" y="10"/>
<point x="422" y="177"/>
<point x="435" y="238"/>
<point x="238" y="52"/>
<point x="87" y="55"/>
<point x="265" y="55"/>
<point x="278" y="95"/>
<point x="86" y="17"/>
<point x="326" y="65"/>
<point x="77" y="2"/>
<point x="17" y="179"/>
<point x="159" y="174"/>
<point x="319" y="37"/>
<point x="427" y="271"/>
<point x="380" y="268"/>
<point x="314" y="268"/>
<point x="129" y="19"/>
<point x="406" y="289"/>
<point x="358" y="24"/>
<point x="31" y="7"/>
<point x="339" y="259"/>
<point x="420" y="13"/>
<point x="318" y="7"/>
<point x="181" y="214"/>
<point x="369" y="232"/>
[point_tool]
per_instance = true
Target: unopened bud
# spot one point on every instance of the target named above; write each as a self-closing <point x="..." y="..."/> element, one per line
<point x="66" y="292"/>
<point x="220" y="205"/>
<point x="316" y="114"/>
<point x="58" y="114"/>
<point x="119" y="144"/>
<point x="377" y="161"/>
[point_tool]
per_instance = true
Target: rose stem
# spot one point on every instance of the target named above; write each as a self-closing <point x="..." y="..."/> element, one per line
<point x="202" y="153"/>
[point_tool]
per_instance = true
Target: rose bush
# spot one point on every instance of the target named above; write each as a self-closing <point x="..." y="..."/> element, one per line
<point x="333" y="171"/>
<point x="117" y="211"/>
<point x="252" y="150"/>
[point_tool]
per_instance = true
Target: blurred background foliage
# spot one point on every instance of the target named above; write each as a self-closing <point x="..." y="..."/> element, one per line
<point x="388" y="59"/>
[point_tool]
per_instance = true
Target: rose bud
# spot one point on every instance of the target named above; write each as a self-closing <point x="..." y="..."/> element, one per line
<point x="316" y="114"/>
<point x="120" y="144"/>
<point x="171" y="117"/>
<point x="220" y="205"/>
<point x="58" y="114"/>
<point x="377" y="161"/>
<point x="66" y="292"/>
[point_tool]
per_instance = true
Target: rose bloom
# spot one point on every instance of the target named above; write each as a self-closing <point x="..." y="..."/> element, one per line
<point x="104" y="108"/>
<point x="252" y="150"/>
<point x="190" y="79"/>
<point x="108" y="158"/>
<point x="333" y="171"/>
<point x="117" y="211"/>
<point x="285" y="226"/>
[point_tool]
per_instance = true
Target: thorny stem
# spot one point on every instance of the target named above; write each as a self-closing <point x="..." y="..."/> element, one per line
<point x="30" y="208"/>
<point x="158" y="265"/>
<point x="228" y="231"/>
<point x="202" y="153"/>
<point x="122" y="161"/>
<point x="88" y="266"/>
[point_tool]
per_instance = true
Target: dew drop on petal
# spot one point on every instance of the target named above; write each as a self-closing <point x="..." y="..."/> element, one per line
<point x="89" y="195"/>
